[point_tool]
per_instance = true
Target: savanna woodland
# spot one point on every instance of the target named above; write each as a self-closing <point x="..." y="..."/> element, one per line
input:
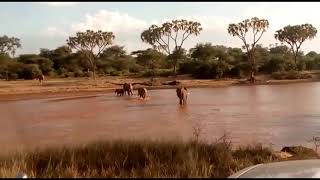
<point x="93" y="53"/>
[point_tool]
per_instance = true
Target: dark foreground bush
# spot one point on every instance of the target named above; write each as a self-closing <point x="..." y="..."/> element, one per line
<point x="136" y="159"/>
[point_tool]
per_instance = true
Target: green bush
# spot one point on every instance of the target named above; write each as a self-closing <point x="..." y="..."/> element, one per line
<point x="204" y="71"/>
<point x="188" y="67"/>
<point x="115" y="73"/>
<point x="79" y="73"/>
<point x="275" y="64"/>
<point x="157" y="73"/>
<point x="109" y="70"/>
<point x="311" y="65"/>
<point x="135" y="68"/>
<point x="290" y="75"/>
<point x="235" y="72"/>
<point x="124" y="72"/>
<point x="62" y="71"/>
<point x="53" y="74"/>
<point x="13" y="76"/>
<point x="148" y="73"/>
<point x="30" y="71"/>
<point x="44" y="64"/>
<point x="71" y="74"/>
<point x="293" y="75"/>
<point x="165" y="72"/>
<point x="211" y="70"/>
<point x="301" y="65"/>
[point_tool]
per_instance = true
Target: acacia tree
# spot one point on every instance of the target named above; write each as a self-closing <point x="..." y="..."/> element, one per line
<point x="295" y="36"/>
<point x="170" y="36"/>
<point x="241" y="29"/>
<point x="9" y="45"/>
<point x="91" y="44"/>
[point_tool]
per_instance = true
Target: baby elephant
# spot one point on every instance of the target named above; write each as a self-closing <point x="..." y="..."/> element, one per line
<point x="182" y="94"/>
<point x="119" y="92"/>
<point x="142" y="92"/>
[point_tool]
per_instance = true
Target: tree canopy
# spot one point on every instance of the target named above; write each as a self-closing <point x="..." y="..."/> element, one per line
<point x="92" y="44"/>
<point x="170" y="36"/>
<point x="9" y="45"/>
<point x="295" y="35"/>
<point x="241" y="29"/>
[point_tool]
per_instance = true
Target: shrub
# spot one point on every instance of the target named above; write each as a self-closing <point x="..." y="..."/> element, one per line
<point x="204" y="71"/>
<point x="135" y="68"/>
<point x="53" y="74"/>
<point x="301" y="65"/>
<point x="211" y="70"/>
<point x="311" y="64"/>
<point x="235" y="72"/>
<point x="148" y="73"/>
<point x="290" y="75"/>
<point x="115" y="73"/>
<point x="30" y="71"/>
<point x="165" y="72"/>
<point x="188" y="67"/>
<point x="12" y="76"/>
<point x="275" y="64"/>
<point x="79" y="73"/>
<point x="62" y="71"/>
<point x="157" y="73"/>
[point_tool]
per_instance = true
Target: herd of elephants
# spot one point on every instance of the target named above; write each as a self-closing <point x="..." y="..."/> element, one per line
<point x="182" y="92"/>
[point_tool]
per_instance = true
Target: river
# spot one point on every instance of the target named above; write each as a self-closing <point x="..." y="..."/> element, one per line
<point x="287" y="114"/>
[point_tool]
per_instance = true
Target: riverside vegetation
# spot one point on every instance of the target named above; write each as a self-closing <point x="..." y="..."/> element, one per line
<point x="146" y="158"/>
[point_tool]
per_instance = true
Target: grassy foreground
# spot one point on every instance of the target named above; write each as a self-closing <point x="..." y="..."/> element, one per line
<point x="136" y="159"/>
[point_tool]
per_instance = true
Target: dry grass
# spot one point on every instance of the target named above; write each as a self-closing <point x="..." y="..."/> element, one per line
<point x="136" y="159"/>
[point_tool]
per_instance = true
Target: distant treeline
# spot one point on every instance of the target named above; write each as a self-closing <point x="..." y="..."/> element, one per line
<point x="97" y="55"/>
<point x="202" y="61"/>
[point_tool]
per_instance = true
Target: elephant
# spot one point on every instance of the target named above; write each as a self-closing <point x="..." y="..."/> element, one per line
<point x="142" y="92"/>
<point x="182" y="94"/>
<point x="119" y="92"/>
<point x="40" y="78"/>
<point x="128" y="88"/>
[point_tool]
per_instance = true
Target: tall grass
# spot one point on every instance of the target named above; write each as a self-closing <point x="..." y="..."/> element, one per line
<point x="145" y="158"/>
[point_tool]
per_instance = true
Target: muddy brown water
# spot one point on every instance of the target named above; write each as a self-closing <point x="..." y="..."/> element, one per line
<point x="279" y="114"/>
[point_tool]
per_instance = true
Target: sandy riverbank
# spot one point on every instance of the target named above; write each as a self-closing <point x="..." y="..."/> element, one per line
<point x="25" y="89"/>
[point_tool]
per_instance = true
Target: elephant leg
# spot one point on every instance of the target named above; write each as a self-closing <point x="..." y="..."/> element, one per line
<point x="180" y="101"/>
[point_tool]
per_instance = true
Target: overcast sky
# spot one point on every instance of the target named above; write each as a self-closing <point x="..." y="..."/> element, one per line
<point x="48" y="24"/>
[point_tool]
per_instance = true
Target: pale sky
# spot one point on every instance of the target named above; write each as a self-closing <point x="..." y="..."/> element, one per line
<point x="49" y="24"/>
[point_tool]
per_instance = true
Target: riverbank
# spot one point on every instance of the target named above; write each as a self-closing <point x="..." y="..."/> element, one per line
<point x="124" y="158"/>
<point x="26" y="89"/>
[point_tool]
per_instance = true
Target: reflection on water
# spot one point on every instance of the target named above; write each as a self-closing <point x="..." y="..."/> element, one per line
<point x="279" y="114"/>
